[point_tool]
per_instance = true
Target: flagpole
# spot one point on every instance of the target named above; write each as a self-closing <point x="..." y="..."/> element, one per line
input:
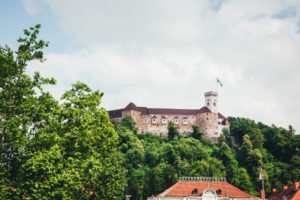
<point x="217" y="85"/>
<point x="262" y="183"/>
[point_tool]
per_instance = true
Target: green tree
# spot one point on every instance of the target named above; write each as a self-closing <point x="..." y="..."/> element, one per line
<point x="245" y="182"/>
<point x="249" y="157"/>
<point x="197" y="133"/>
<point x="24" y="108"/>
<point x="129" y="123"/>
<point x="172" y="131"/>
<point x="241" y="126"/>
<point x="52" y="151"/>
<point x="227" y="156"/>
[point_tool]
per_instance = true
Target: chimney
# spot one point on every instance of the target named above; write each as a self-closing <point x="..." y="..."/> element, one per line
<point x="284" y="187"/>
<point x="261" y="194"/>
<point x="296" y="184"/>
<point x="274" y="190"/>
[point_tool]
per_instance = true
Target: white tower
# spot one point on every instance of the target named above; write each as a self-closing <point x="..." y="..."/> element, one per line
<point x="211" y="101"/>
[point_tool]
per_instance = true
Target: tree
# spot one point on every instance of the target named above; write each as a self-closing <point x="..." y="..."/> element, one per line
<point x="291" y="129"/>
<point x="24" y="107"/>
<point x="241" y="126"/>
<point x="197" y="133"/>
<point x="172" y="131"/>
<point x="250" y="158"/>
<point x="226" y="155"/>
<point x="129" y="123"/>
<point x="245" y="182"/>
<point x="50" y="150"/>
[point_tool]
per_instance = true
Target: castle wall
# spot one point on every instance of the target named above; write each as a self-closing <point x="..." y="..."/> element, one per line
<point x="158" y="123"/>
<point x="207" y="118"/>
<point x="208" y="123"/>
<point x="136" y="116"/>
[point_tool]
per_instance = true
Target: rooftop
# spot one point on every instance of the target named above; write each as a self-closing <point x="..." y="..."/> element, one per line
<point x="194" y="186"/>
<point x="292" y="193"/>
<point x="166" y="111"/>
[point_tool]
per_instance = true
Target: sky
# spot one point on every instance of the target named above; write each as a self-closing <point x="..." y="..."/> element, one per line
<point x="168" y="53"/>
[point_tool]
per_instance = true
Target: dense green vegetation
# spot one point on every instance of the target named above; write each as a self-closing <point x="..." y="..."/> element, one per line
<point x="71" y="150"/>
<point x="52" y="150"/>
<point x="154" y="163"/>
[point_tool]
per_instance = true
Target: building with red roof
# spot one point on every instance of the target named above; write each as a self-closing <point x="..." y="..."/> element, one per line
<point x="155" y="120"/>
<point x="202" y="188"/>
<point x="292" y="193"/>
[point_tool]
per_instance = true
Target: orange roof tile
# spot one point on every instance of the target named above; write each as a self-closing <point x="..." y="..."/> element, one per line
<point x="290" y="194"/>
<point x="185" y="188"/>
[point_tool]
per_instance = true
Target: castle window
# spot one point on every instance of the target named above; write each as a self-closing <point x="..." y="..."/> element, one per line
<point x="184" y="121"/>
<point x="145" y="120"/>
<point x="153" y="120"/>
<point x="207" y="104"/>
<point x="163" y="120"/>
<point x="214" y="104"/>
<point x="176" y="120"/>
<point x="207" y="118"/>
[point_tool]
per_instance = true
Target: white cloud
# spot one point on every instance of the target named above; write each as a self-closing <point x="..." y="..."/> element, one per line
<point x="33" y="7"/>
<point x="168" y="53"/>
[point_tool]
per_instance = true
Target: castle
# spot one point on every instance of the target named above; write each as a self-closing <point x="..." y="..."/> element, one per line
<point x="155" y="120"/>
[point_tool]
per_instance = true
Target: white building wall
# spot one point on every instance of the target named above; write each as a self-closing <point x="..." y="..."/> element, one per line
<point x="211" y="101"/>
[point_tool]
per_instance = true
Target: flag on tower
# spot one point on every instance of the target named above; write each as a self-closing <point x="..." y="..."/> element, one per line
<point x="218" y="81"/>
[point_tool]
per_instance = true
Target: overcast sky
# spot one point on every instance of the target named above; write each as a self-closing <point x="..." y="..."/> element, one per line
<point x="167" y="53"/>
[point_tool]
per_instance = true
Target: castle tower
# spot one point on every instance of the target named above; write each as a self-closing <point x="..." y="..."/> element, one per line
<point x="211" y="101"/>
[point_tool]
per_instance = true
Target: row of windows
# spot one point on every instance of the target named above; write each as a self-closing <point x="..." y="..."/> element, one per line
<point x="164" y="120"/>
<point x="213" y="104"/>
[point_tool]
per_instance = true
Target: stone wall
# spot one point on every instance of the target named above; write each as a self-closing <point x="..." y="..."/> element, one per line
<point x="208" y="123"/>
<point x="158" y="123"/>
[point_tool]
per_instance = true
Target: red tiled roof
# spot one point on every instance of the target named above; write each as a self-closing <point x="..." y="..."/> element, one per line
<point x="220" y="116"/>
<point x="185" y="188"/>
<point x="290" y="193"/>
<point x="171" y="111"/>
<point x="130" y="106"/>
<point x="115" y="113"/>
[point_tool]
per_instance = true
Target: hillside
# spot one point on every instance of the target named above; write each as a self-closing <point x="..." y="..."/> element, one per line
<point x="70" y="149"/>
<point x="154" y="163"/>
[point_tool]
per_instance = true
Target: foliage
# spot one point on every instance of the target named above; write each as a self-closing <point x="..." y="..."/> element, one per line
<point x="71" y="150"/>
<point x="197" y="133"/>
<point x="172" y="131"/>
<point x="157" y="162"/>
<point x="52" y="150"/>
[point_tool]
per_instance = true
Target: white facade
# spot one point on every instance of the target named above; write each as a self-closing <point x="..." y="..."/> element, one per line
<point x="211" y="101"/>
<point x="221" y="126"/>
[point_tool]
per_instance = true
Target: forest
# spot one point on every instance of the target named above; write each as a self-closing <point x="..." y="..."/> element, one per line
<point x="69" y="148"/>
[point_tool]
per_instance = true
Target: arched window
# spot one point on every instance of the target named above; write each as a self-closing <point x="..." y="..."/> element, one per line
<point x="153" y="120"/>
<point x="163" y="120"/>
<point x="209" y="194"/>
<point x="184" y="121"/>
<point x="176" y="120"/>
